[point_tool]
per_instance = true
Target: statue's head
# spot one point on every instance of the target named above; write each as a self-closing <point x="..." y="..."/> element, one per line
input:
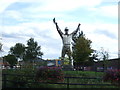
<point x="66" y="31"/>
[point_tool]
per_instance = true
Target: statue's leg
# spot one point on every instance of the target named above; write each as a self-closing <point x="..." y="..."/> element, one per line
<point x="70" y="57"/>
<point x="63" y="55"/>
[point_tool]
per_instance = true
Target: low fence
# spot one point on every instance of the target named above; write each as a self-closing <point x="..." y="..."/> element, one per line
<point x="67" y="83"/>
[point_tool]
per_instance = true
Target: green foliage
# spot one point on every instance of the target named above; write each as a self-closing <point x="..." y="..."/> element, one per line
<point x="27" y="65"/>
<point x="104" y="55"/>
<point x="27" y="53"/>
<point x="42" y="63"/>
<point x="83" y="74"/>
<point x="66" y="61"/>
<point x="28" y="82"/>
<point x="18" y="50"/>
<point x="11" y="59"/>
<point x="32" y="50"/>
<point x="24" y="78"/>
<point x="82" y="49"/>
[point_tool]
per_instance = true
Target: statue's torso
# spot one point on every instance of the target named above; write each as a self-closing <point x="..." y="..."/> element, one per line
<point x="66" y="39"/>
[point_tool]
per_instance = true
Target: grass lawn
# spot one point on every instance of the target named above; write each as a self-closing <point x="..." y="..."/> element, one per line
<point x="84" y="81"/>
<point x="66" y="73"/>
<point x="83" y="73"/>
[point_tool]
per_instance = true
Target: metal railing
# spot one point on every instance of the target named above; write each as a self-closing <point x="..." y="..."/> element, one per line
<point x="67" y="83"/>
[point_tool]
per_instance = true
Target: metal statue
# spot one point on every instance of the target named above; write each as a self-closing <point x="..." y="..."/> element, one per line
<point x="66" y="39"/>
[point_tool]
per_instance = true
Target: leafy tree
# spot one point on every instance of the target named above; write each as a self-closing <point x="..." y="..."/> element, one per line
<point x="11" y="59"/>
<point x="18" y="50"/>
<point x="92" y="58"/>
<point x="33" y="51"/>
<point x="81" y="49"/>
<point x="66" y="61"/>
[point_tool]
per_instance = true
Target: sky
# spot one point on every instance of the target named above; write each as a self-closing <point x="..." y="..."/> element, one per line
<point x="23" y="19"/>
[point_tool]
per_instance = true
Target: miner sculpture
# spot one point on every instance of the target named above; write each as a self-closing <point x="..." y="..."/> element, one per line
<point x="66" y="39"/>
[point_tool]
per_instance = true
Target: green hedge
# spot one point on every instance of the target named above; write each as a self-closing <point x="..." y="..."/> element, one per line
<point x="27" y="81"/>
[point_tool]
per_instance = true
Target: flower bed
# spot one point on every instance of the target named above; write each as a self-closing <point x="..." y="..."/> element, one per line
<point x="113" y="76"/>
<point x="49" y="74"/>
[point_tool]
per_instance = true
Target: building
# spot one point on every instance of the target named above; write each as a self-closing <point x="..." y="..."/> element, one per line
<point x="107" y="65"/>
<point x="101" y="65"/>
<point x="3" y="64"/>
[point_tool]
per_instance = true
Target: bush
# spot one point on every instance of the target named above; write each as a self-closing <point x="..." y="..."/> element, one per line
<point x="49" y="74"/>
<point x="113" y="76"/>
<point x="22" y="78"/>
<point x="19" y="77"/>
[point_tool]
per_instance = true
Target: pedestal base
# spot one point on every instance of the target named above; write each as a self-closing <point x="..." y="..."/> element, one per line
<point x="68" y="68"/>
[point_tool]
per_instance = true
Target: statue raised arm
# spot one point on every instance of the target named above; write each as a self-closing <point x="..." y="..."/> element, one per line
<point x="57" y="27"/>
<point x="75" y="32"/>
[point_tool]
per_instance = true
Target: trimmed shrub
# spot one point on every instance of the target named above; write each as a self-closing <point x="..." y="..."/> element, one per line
<point x="113" y="76"/>
<point x="49" y="74"/>
<point x="22" y="78"/>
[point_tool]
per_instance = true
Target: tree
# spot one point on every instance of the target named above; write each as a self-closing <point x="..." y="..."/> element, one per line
<point x="66" y="61"/>
<point x="11" y="59"/>
<point x="81" y="49"/>
<point x="104" y="56"/>
<point x="33" y="51"/>
<point x="93" y="57"/>
<point x="18" y="50"/>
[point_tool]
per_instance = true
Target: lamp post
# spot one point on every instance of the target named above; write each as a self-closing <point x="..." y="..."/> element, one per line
<point x="119" y="59"/>
<point x="119" y="54"/>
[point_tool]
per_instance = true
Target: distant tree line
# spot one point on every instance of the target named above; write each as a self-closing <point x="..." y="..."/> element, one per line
<point x="82" y="54"/>
<point x="27" y="53"/>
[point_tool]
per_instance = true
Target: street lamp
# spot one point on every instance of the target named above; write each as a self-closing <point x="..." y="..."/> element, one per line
<point x="119" y="54"/>
<point x="119" y="59"/>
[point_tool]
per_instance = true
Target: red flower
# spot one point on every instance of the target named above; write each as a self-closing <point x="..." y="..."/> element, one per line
<point x="50" y="74"/>
<point x="113" y="76"/>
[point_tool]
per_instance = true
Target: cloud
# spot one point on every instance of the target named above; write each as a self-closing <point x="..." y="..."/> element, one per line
<point x="107" y="33"/>
<point x="9" y="36"/>
<point x="107" y="11"/>
<point x="67" y="0"/>
<point x="61" y="5"/>
<point x="13" y="14"/>
<point x="5" y="3"/>
<point x="101" y="40"/>
<point x="100" y="27"/>
<point x="64" y="5"/>
<point x="102" y="35"/>
<point x="47" y="37"/>
<point x="111" y="1"/>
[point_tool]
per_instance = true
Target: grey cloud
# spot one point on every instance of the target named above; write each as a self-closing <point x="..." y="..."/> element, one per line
<point x="107" y="33"/>
<point x="16" y="36"/>
<point x="5" y="35"/>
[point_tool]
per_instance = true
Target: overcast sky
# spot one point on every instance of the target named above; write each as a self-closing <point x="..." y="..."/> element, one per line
<point x="22" y="19"/>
